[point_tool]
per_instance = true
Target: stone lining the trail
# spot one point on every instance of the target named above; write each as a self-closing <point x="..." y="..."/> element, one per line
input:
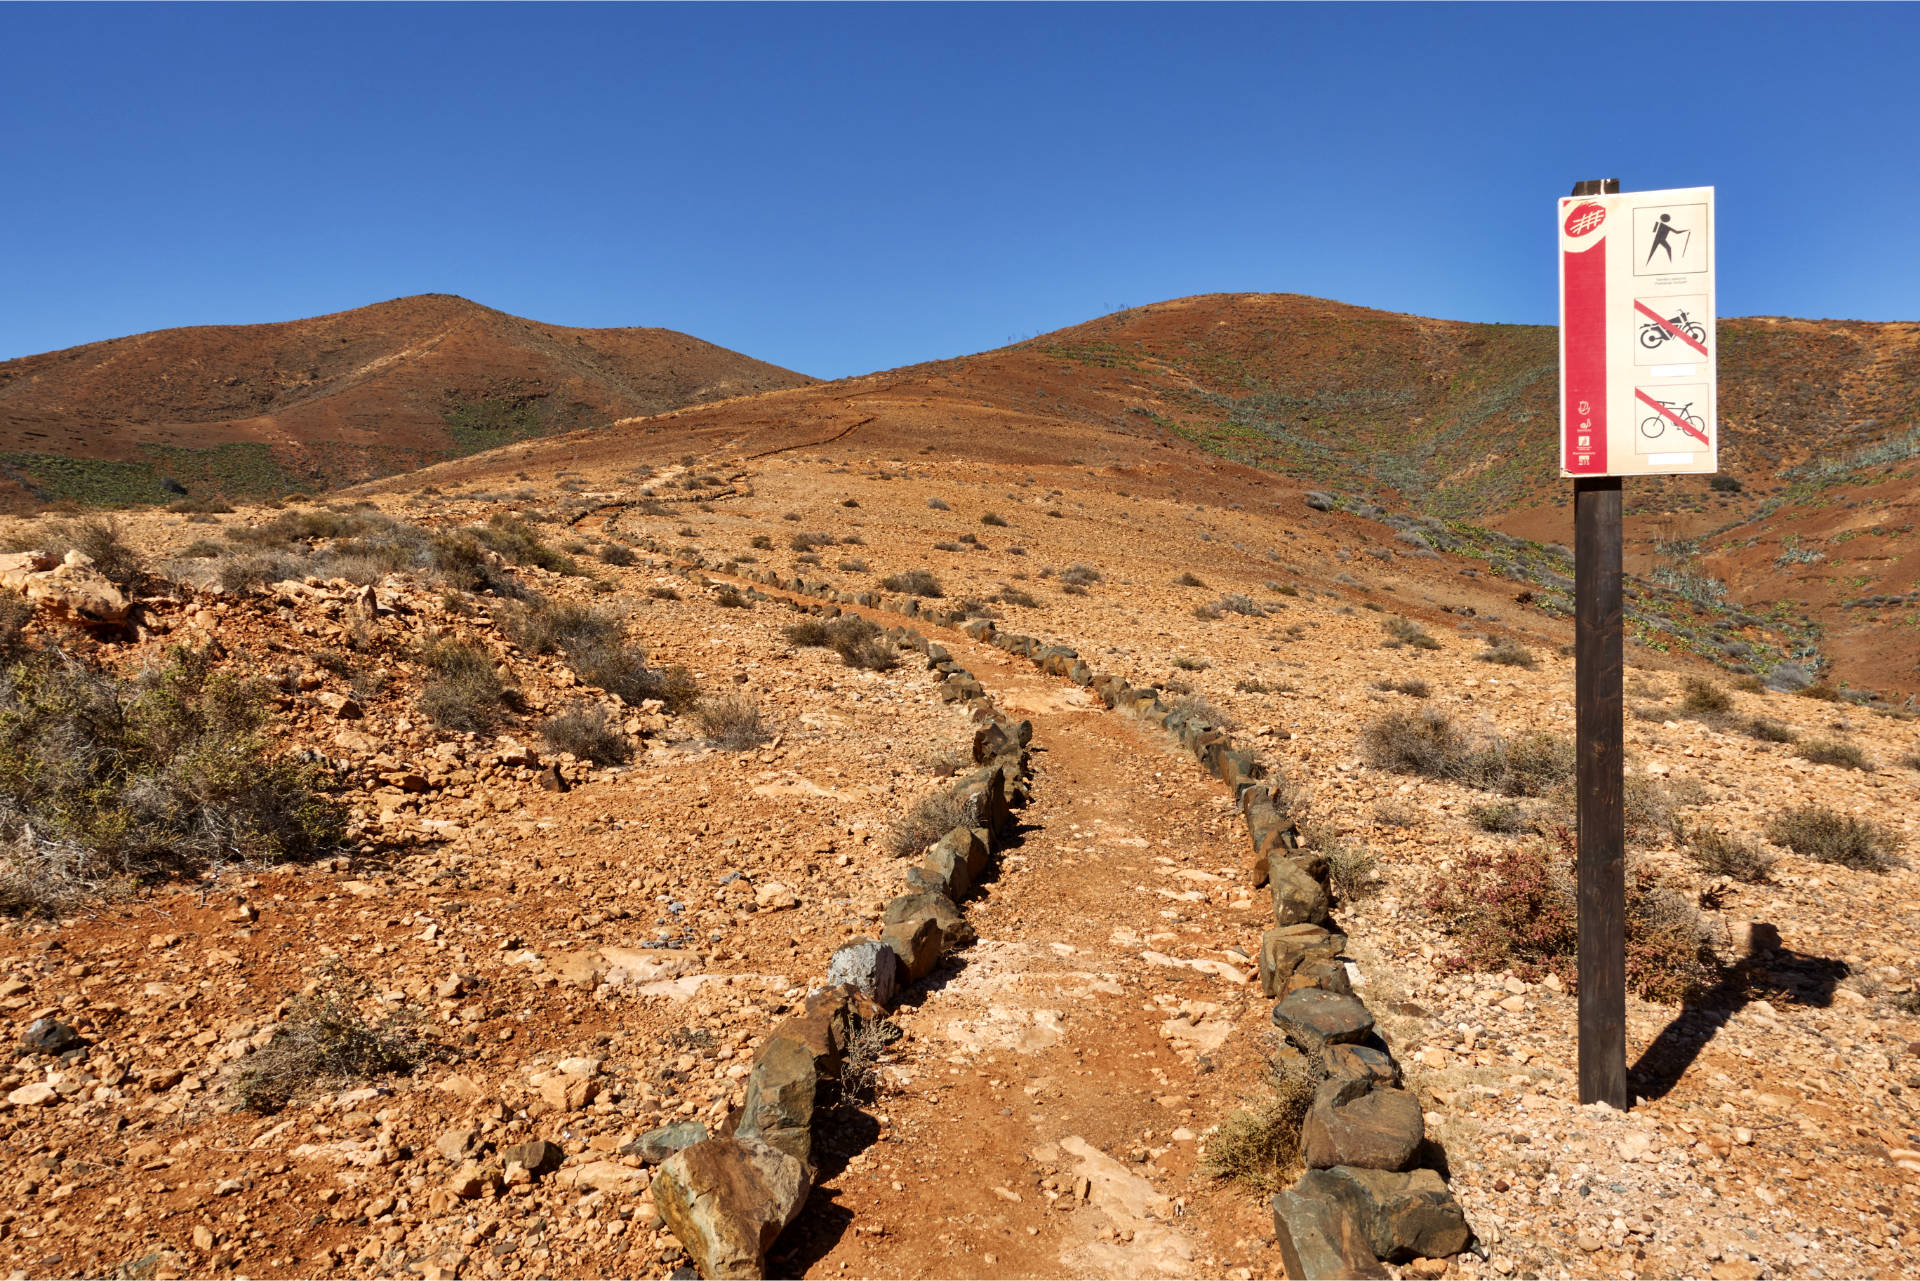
<point x="1371" y="1195"/>
<point x="728" y="1196"/>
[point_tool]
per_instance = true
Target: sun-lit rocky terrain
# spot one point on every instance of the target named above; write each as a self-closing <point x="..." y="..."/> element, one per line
<point x="580" y="794"/>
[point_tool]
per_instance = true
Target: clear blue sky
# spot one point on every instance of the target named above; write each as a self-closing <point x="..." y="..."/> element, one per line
<point x="841" y="189"/>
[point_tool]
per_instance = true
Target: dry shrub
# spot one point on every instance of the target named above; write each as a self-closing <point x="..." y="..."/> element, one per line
<point x="1720" y="854"/>
<point x="1187" y="663"/>
<point x="859" y="642"/>
<point x="867" y="1042"/>
<point x="107" y="782"/>
<point x="732" y="722"/>
<point x="1352" y="871"/>
<point x="1827" y="836"/>
<point x="932" y="817"/>
<point x="1411" y="686"/>
<point x="1507" y="652"/>
<point x="1197" y="708"/>
<point x="1080" y="575"/>
<point x="1828" y="751"/>
<point x="1258" y="1146"/>
<point x="1392" y="813"/>
<point x="1703" y="695"/>
<point x="990" y="518"/>
<point x="914" y="582"/>
<point x="1516" y="909"/>
<point x="1016" y="596"/>
<point x="1499" y="816"/>
<point x="1188" y="580"/>
<point x="548" y="627"/>
<point x="1770" y="731"/>
<point x="1404" y="631"/>
<point x="326" y="1041"/>
<point x="582" y="729"/>
<point x="466" y="694"/>
<point x="1428" y="743"/>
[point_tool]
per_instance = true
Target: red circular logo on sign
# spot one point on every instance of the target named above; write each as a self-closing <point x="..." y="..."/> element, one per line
<point x="1582" y="219"/>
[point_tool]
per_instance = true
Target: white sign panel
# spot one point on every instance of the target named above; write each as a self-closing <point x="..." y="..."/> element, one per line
<point x="1637" y="344"/>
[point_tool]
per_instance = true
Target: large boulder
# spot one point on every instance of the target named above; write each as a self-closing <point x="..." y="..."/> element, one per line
<point x="1355" y="1122"/>
<point x="1321" y="1239"/>
<point x="728" y="1200"/>
<point x="1402" y="1215"/>
<point x="70" y="590"/>
<point x="1299" y="887"/>
<point x="869" y="967"/>
<point x="1314" y="1018"/>
<point x="780" y="1094"/>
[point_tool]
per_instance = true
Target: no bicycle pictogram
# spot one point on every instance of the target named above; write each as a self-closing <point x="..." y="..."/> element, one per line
<point x="1666" y="412"/>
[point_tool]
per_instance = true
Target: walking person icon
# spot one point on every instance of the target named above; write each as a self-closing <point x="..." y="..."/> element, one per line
<point x="1663" y="233"/>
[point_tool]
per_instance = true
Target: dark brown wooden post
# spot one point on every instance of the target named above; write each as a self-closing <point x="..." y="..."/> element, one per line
<point x="1599" y="777"/>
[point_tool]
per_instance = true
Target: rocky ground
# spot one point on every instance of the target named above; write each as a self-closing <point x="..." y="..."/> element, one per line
<point x="592" y="963"/>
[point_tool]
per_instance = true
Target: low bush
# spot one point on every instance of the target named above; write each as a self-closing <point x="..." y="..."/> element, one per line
<point x="465" y="694"/>
<point x="1703" y="695"/>
<point x="1827" y="836"/>
<point x="661" y="592"/>
<point x="1770" y="731"/>
<point x="859" y="642"/>
<point x="932" y="817"/>
<point x="991" y="519"/>
<point x="1516" y="910"/>
<point x="1015" y="596"/>
<point x="516" y="540"/>
<point x="1719" y="854"/>
<point x="1238" y="604"/>
<point x="732" y="722"/>
<point x="1351" y="871"/>
<point x="107" y="782"/>
<point x="326" y="1042"/>
<point x="582" y="729"/>
<point x="617" y="554"/>
<point x="1429" y="744"/>
<point x="550" y="627"/>
<point x="1258" y="1146"/>
<point x="1188" y="663"/>
<point x="1828" y="751"/>
<point x="1411" y="686"/>
<point x="620" y="668"/>
<point x="1197" y="708"/>
<point x="1404" y="631"/>
<point x="1507" y="652"/>
<point x="1503" y="817"/>
<point x="938" y="505"/>
<point x="914" y="582"/>
<point x="853" y="565"/>
<point x="1188" y="580"/>
<point x="1080" y="575"/>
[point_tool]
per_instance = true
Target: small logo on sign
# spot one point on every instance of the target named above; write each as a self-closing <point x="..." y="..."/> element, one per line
<point x="1582" y="219"/>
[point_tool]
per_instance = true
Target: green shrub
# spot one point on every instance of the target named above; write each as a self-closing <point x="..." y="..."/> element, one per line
<point x="1826" y="836"/>
<point x="106" y="782"/>
<point x="582" y="729"/>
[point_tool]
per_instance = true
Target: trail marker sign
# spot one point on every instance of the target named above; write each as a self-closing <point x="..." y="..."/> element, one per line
<point x="1638" y="395"/>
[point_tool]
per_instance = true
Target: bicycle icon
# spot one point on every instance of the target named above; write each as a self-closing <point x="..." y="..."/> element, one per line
<point x="1654" y="426"/>
<point x="1653" y="334"/>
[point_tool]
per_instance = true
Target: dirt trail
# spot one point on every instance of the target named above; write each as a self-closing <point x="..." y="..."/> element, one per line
<point x="1040" y="1114"/>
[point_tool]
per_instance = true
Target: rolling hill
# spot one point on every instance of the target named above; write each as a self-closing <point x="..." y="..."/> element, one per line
<point x="310" y="404"/>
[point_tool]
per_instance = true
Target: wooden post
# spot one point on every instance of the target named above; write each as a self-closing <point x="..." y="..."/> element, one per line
<point x="1600" y="777"/>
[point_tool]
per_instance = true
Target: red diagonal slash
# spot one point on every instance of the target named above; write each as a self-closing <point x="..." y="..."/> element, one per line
<point x="1655" y="317"/>
<point x="1672" y="417"/>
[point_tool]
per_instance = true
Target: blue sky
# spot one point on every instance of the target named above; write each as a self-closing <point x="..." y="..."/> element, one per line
<point x="841" y="189"/>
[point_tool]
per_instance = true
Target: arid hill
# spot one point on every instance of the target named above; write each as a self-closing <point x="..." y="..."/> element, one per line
<point x="251" y="409"/>
<point x="1821" y="440"/>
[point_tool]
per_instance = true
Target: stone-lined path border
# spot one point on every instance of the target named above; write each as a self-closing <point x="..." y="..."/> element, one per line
<point x="1372" y="1192"/>
<point x="727" y="1197"/>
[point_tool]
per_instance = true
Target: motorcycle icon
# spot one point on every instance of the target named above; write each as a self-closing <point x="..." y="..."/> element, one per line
<point x="1652" y="335"/>
<point x="1653" y="426"/>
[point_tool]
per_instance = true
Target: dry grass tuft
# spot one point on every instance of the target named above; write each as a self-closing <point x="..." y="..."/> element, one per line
<point x="732" y="722"/>
<point x="1258" y="1146"/>
<point x="1827" y="836"/>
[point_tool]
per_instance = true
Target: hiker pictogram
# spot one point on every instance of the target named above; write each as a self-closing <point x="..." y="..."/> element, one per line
<point x="1670" y="240"/>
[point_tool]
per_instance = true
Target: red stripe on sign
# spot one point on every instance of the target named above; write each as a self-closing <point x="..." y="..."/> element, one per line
<point x="1671" y="417"/>
<point x="1583" y="345"/>
<point x="1672" y="332"/>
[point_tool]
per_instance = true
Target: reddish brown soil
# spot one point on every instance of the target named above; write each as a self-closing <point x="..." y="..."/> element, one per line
<point x="354" y="394"/>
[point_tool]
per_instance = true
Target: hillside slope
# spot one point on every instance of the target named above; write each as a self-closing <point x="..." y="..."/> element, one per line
<point x="1821" y="438"/>
<point x="333" y="399"/>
